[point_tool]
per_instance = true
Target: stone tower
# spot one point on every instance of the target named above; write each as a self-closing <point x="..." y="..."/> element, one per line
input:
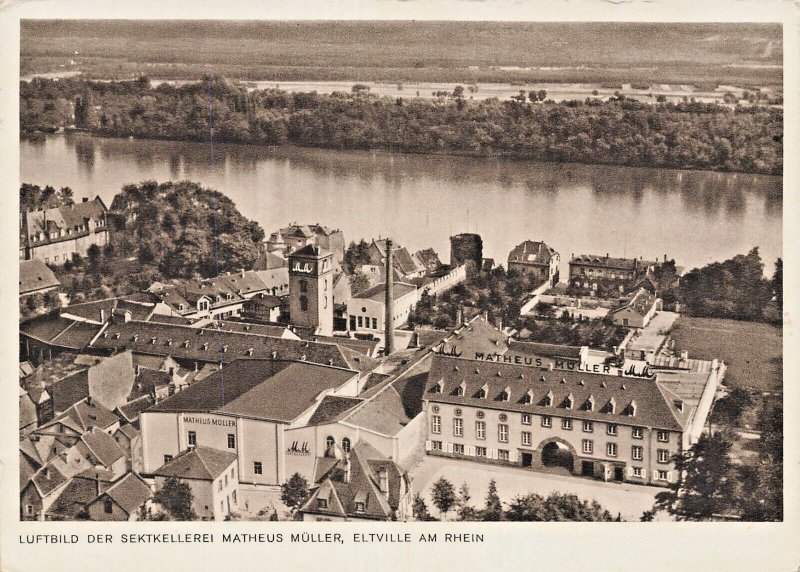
<point x="311" y="289"/>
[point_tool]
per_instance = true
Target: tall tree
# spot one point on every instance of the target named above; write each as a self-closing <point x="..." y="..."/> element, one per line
<point x="443" y="495"/>
<point x="466" y="511"/>
<point x="777" y="284"/>
<point x="420" y="509"/>
<point x="493" y="510"/>
<point x="704" y="487"/>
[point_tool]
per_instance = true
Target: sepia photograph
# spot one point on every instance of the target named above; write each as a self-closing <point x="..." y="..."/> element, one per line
<point x="368" y="271"/>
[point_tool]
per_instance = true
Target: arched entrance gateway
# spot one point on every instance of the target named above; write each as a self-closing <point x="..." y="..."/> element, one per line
<point x="557" y="455"/>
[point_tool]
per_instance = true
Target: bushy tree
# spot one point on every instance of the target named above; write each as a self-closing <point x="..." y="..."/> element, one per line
<point x="176" y="497"/>
<point x="556" y="507"/>
<point x="704" y="486"/>
<point x="294" y="492"/>
<point x="443" y="495"/>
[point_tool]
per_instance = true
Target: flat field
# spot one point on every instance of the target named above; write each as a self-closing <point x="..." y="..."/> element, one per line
<point x="752" y="351"/>
<point x="465" y="52"/>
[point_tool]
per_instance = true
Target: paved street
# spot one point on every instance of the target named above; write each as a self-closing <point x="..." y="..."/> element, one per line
<point x="629" y="500"/>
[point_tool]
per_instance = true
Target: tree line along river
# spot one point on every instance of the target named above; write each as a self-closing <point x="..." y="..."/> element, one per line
<point x="696" y="217"/>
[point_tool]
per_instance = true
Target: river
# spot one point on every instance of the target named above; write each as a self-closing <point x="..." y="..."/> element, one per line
<point x="695" y="217"/>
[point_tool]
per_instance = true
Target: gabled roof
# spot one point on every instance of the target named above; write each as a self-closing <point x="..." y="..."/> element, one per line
<point x="532" y="252"/>
<point x="360" y="496"/>
<point x="82" y="489"/>
<point x="201" y="463"/>
<point x="103" y="446"/>
<point x="65" y="216"/>
<point x="129" y="493"/>
<point x="128" y="430"/>
<point x="47" y="479"/>
<point x="35" y="275"/>
<point x="262" y="389"/>
<point x="86" y="415"/>
<point x="641" y="302"/>
<point x="652" y="409"/>
<point x="69" y="390"/>
<point x="131" y="410"/>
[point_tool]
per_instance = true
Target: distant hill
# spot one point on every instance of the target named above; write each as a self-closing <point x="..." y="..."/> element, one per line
<point x="396" y="51"/>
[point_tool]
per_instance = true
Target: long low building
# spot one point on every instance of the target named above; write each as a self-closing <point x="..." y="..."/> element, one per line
<point x="614" y="428"/>
<point x="245" y="409"/>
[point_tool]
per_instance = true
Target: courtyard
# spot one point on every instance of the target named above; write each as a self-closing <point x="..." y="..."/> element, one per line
<point x="626" y="499"/>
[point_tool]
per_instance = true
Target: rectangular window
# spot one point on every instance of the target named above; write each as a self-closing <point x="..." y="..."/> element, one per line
<point x="661" y="475"/>
<point x="436" y="424"/>
<point x="480" y="451"/>
<point x="502" y="433"/>
<point x="458" y="448"/>
<point x="637" y="433"/>
<point x="480" y="430"/>
<point x="663" y="456"/>
<point x="526" y="438"/>
<point x="436" y="445"/>
<point x="29" y="509"/>
<point x="458" y="427"/>
<point x="167" y="459"/>
<point x="636" y="453"/>
<point x="526" y="418"/>
<point x="220" y="485"/>
<point x="374" y="323"/>
<point x="663" y="436"/>
<point x="502" y="454"/>
<point x="226" y="480"/>
<point x="637" y="472"/>
<point x="566" y="424"/>
<point x="360" y="322"/>
<point x="547" y="421"/>
<point x="231" y="441"/>
<point x="611" y="449"/>
<point x="257" y="468"/>
<point x="233" y="496"/>
<point x="192" y="438"/>
<point x="322" y="503"/>
<point x="611" y="429"/>
<point x="352" y="322"/>
<point x="587" y="446"/>
<point x="588" y="426"/>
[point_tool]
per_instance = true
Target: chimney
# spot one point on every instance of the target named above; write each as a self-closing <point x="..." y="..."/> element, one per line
<point x="242" y="272"/>
<point x="459" y="316"/>
<point x="383" y="480"/>
<point x="347" y="468"/>
<point x="389" y="302"/>
<point x="97" y="483"/>
<point x="499" y="322"/>
<point x="102" y="316"/>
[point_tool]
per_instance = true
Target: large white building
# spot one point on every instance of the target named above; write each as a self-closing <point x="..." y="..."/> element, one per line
<point x="246" y="409"/>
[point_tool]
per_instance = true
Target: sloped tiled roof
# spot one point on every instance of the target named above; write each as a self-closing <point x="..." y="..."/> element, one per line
<point x="545" y="350"/>
<point x="641" y="302"/>
<point x="651" y="407"/>
<point x="532" y="252"/>
<point x="130" y="492"/>
<point x="87" y="415"/>
<point x="610" y="262"/>
<point x="208" y="345"/>
<point x="82" y="489"/>
<point x="70" y="390"/>
<point x="202" y="463"/>
<point x="92" y="310"/>
<point x="47" y="479"/>
<point x="102" y="446"/>
<point x="35" y="275"/>
<point x="377" y="292"/>
<point x="262" y="389"/>
<point x="131" y="410"/>
<point x="331" y="409"/>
